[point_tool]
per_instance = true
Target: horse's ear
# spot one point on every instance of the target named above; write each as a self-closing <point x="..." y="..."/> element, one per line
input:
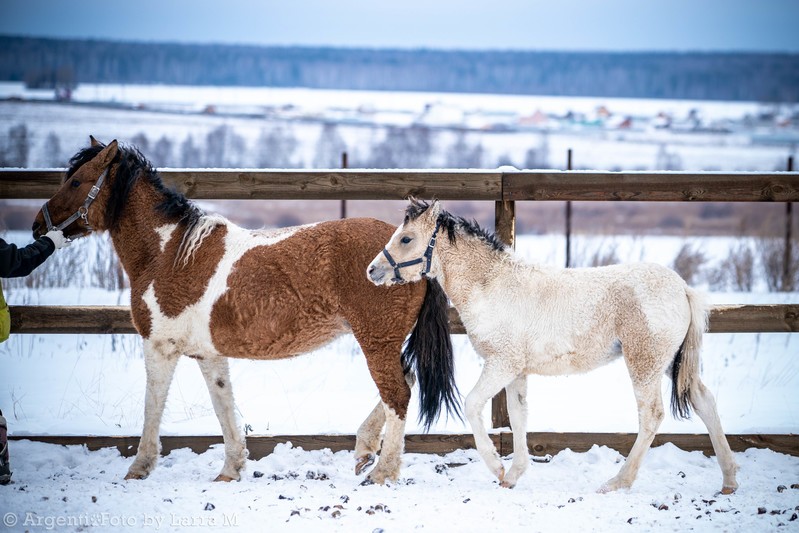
<point x="108" y="154"/>
<point x="94" y="142"/>
<point x="435" y="209"/>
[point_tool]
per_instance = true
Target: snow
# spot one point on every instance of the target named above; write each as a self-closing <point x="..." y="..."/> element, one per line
<point x="72" y="489"/>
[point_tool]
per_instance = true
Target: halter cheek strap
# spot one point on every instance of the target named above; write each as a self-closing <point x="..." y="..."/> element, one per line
<point x="427" y="256"/>
<point x="82" y="211"/>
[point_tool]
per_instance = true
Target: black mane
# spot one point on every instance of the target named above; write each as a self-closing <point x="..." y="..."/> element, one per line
<point x="132" y="166"/>
<point x="453" y="222"/>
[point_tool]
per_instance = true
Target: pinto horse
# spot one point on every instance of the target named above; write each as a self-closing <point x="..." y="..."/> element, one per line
<point x="203" y="287"/>
<point x="531" y="319"/>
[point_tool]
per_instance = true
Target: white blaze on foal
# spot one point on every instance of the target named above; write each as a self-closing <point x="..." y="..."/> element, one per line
<point x="531" y="319"/>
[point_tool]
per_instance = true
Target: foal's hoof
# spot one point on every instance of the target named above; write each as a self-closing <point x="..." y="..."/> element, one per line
<point x="226" y="479"/>
<point x="364" y="462"/>
<point x="135" y="475"/>
<point x="507" y="484"/>
<point x="728" y="490"/>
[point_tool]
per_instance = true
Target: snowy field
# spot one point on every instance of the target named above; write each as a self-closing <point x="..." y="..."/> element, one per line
<point x="154" y="112"/>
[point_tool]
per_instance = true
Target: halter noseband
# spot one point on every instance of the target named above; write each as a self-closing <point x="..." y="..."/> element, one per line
<point x="82" y="212"/>
<point x="428" y="255"/>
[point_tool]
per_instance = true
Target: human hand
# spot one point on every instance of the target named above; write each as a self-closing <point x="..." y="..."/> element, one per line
<point x="57" y="236"/>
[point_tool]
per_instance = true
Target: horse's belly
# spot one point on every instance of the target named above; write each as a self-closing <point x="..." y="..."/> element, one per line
<point x="556" y="361"/>
<point x="272" y="333"/>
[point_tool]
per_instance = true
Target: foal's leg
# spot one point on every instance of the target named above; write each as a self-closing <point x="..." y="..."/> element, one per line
<point x="516" y="394"/>
<point x="215" y="370"/>
<point x="650" y="415"/>
<point x="490" y="382"/>
<point x="160" y="368"/>
<point x="705" y="406"/>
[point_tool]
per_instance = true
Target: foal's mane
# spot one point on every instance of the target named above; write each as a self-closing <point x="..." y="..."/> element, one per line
<point x="452" y="223"/>
<point x="132" y="166"/>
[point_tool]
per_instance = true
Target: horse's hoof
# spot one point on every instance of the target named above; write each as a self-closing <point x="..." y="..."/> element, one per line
<point x="501" y="474"/>
<point x="134" y="475"/>
<point x="728" y="490"/>
<point x="226" y="479"/>
<point x="604" y="489"/>
<point x="507" y="484"/>
<point x="366" y="482"/>
<point x="363" y="463"/>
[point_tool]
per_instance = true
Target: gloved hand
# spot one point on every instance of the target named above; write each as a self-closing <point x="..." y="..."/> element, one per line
<point x="57" y="236"/>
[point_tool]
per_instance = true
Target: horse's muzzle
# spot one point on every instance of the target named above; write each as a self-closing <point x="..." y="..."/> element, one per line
<point x="376" y="275"/>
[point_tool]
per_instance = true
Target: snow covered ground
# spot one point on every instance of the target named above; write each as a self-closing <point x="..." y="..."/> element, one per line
<point x="70" y="489"/>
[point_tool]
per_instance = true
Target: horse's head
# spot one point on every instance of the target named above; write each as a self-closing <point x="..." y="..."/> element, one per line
<point x="408" y="256"/>
<point x="78" y="208"/>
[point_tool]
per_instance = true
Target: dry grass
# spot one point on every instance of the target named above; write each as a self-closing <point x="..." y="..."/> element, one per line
<point x="689" y="263"/>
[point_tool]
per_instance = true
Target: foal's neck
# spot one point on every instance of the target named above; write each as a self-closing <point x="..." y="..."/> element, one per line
<point x="467" y="265"/>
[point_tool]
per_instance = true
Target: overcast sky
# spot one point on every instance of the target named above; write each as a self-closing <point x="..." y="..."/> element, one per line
<point x="622" y="25"/>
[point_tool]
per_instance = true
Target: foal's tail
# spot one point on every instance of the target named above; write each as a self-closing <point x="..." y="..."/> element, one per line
<point x="429" y="350"/>
<point x="685" y="367"/>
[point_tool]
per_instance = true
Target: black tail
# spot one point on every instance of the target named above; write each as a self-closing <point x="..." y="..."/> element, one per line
<point x="680" y="397"/>
<point x="429" y="350"/>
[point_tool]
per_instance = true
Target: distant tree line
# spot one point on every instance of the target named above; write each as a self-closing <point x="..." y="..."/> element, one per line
<point x="764" y="77"/>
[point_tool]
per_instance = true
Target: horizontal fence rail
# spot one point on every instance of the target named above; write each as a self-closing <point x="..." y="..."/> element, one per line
<point x="39" y="319"/>
<point x="360" y="184"/>
<point x="539" y="444"/>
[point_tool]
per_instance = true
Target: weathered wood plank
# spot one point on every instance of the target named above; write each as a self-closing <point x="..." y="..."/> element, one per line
<point x="552" y="443"/>
<point x="651" y="186"/>
<point x="369" y="184"/>
<point x="754" y="318"/>
<point x="252" y="184"/>
<point x="41" y="319"/>
<point x="538" y="443"/>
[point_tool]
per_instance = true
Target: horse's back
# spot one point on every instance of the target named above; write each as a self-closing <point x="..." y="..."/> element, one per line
<point x="294" y="295"/>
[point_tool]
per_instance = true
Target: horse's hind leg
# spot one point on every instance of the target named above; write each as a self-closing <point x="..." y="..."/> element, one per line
<point x="705" y="406"/>
<point x="215" y="370"/>
<point x="385" y="366"/>
<point x="367" y="440"/>
<point x="516" y="394"/>
<point x="650" y="415"/>
<point x="160" y="368"/>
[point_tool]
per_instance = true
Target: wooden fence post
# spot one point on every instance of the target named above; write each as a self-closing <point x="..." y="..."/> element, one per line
<point x="787" y="261"/>
<point x="505" y="229"/>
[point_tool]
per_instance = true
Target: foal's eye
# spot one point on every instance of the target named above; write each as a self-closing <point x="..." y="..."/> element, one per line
<point x="75" y="184"/>
<point x="405" y="240"/>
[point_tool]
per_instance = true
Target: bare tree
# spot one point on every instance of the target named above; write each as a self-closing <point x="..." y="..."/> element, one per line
<point x="276" y="147"/>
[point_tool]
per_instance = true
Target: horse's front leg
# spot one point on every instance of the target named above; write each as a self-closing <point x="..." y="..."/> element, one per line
<point x="215" y="370"/>
<point x="517" y="412"/>
<point x="491" y="381"/>
<point x="159" y="364"/>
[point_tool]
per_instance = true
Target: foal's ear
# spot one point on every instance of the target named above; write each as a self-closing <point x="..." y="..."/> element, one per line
<point x="108" y="154"/>
<point x="435" y="209"/>
<point x="94" y="142"/>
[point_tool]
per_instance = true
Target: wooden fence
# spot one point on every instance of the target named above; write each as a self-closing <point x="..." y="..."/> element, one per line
<point x="502" y="187"/>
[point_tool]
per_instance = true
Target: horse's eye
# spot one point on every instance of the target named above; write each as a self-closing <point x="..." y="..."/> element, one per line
<point x="405" y="240"/>
<point x="75" y="184"/>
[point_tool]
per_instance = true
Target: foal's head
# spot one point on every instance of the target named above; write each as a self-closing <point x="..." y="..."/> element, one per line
<point x="408" y="256"/>
<point x="79" y="206"/>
